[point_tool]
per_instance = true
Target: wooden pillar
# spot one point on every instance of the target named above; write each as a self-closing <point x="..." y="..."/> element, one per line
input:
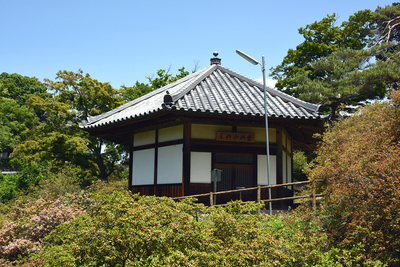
<point x="131" y="136"/>
<point x="155" y="165"/>
<point x="187" y="133"/>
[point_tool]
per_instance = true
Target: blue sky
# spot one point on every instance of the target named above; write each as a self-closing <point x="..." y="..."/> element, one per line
<point x="121" y="41"/>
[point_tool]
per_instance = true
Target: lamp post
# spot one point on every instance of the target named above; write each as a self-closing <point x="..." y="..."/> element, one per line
<point x="255" y="62"/>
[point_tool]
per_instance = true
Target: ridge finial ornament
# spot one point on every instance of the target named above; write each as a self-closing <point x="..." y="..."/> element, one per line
<point x="215" y="60"/>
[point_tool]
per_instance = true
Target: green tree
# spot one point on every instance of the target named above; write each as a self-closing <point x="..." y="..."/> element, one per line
<point x="15" y="122"/>
<point x="358" y="161"/>
<point x="21" y="88"/>
<point x="59" y="139"/>
<point x="321" y="39"/>
<point x="387" y="21"/>
<point x="346" y="65"/>
<point x="162" y="79"/>
<point x="350" y="76"/>
<point x="15" y="118"/>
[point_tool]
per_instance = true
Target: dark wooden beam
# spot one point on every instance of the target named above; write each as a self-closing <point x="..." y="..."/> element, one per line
<point x="187" y="133"/>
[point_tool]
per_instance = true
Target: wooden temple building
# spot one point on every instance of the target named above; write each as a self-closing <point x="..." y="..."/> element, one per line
<point x="213" y="118"/>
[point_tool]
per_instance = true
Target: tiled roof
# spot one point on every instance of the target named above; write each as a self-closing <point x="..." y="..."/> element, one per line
<point x="215" y="89"/>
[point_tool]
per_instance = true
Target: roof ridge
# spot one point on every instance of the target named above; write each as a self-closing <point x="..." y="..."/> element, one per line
<point x="206" y="71"/>
<point x="273" y="91"/>
<point x="93" y="119"/>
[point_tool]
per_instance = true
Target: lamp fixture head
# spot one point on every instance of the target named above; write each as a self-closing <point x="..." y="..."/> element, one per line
<point x="247" y="57"/>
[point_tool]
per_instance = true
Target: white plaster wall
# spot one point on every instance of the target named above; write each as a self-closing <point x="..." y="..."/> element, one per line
<point x="200" y="167"/>
<point x="145" y="138"/>
<point x="205" y="131"/>
<point x="262" y="177"/>
<point x="170" y="133"/>
<point x="170" y="164"/>
<point x="143" y="167"/>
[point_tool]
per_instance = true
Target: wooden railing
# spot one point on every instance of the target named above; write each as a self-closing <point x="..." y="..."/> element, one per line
<point x="313" y="195"/>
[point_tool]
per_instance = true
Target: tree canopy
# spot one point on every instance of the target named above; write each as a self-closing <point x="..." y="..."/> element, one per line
<point x="76" y="96"/>
<point x="321" y="39"/>
<point x="162" y="79"/>
<point x="15" y="122"/>
<point x="59" y="139"/>
<point x="16" y="119"/>
<point x="350" y="76"/>
<point x="21" y="88"/>
<point x="346" y="64"/>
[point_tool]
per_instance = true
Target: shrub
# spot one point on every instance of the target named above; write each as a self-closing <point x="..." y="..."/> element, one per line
<point x="29" y="221"/>
<point x="8" y="188"/>
<point x="122" y="229"/>
<point x="29" y="175"/>
<point x="359" y="162"/>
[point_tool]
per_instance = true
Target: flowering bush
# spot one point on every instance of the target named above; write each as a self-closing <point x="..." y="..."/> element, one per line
<point x="30" y="221"/>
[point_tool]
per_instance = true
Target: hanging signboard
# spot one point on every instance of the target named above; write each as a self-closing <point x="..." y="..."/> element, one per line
<point x="236" y="137"/>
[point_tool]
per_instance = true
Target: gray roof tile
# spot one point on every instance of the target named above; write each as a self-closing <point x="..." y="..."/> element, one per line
<point x="215" y="89"/>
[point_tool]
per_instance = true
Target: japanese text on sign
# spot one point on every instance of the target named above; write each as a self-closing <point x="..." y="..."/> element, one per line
<point x="235" y="137"/>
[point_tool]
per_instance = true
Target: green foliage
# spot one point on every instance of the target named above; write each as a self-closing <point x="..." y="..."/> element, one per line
<point x="348" y="78"/>
<point x="67" y="180"/>
<point x="322" y="38"/>
<point x="332" y="65"/>
<point x="15" y="122"/>
<point x="21" y="88"/>
<point x="104" y="228"/>
<point x="239" y="208"/>
<point x="386" y="18"/>
<point x="28" y="174"/>
<point x="359" y="162"/>
<point x="15" y="118"/>
<point x="121" y="229"/>
<point x="125" y="229"/>
<point x="59" y="139"/>
<point x="8" y="188"/>
<point x="162" y="79"/>
<point x="299" y="163"/>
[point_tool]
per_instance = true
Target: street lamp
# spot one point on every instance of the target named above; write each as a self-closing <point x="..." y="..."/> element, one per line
<point x="255" y="62"/>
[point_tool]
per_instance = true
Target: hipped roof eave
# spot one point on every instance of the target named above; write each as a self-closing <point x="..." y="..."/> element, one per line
<point x="184" y="86"/>
<point x="165" y="110"/>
